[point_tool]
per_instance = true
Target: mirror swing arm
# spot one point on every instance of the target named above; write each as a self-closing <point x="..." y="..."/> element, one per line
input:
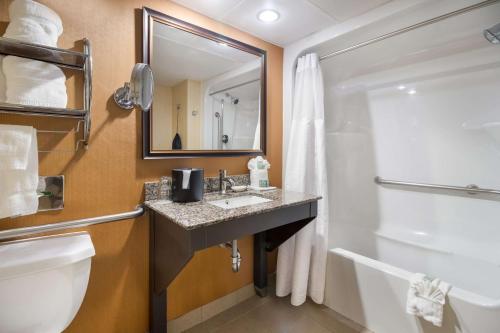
<point x="139" y="91"/>
<point x="151" y="16"/>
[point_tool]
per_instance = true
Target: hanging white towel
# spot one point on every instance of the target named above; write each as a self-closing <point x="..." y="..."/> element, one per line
<point x="2" y="83"/>
<point x="15" y="145"/>
<point x="301" y="268"/>
<point x="35" y="83"/>
<point x="18" y="170"/>
<point x="33" y="22"/>
<point x="426" y="298"/>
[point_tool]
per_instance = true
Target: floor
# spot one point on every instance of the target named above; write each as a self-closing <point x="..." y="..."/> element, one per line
<point x="276" y="315"/>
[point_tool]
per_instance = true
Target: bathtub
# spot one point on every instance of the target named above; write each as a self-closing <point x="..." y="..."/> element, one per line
<point x="372" y="292"/>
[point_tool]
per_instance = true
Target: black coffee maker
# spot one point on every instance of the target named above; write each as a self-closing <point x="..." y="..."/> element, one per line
<point x="187" y="185"/>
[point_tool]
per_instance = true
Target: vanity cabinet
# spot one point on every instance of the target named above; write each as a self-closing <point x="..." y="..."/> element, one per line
<point x="178" y="230"/>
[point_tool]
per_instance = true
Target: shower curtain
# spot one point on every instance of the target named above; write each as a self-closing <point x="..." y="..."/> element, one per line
<point x="301" y="266"/>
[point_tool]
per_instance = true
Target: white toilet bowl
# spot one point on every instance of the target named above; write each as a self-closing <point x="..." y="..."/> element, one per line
<point x="43" y="282"/>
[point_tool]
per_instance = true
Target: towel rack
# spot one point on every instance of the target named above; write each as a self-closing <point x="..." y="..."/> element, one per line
<point x="470" y="189"/>
<point x="63" y="58"/>
<point x="27" y="231"/>
<point x="62" y="132"/>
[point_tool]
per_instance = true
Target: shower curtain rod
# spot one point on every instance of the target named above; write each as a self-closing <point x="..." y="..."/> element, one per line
<point x="237" y="86"/>
<point x="410" y="28"/>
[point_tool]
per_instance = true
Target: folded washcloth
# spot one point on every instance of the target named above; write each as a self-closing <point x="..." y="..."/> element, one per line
<point x="2" y="83"/>
<point x="33" y="22"/>
<point x="18" y="170"/>
<point x="258" y="163"/>
<point x="35" y="83"/>
<point x="426" y="298"/>
<point x="259" y="176"/>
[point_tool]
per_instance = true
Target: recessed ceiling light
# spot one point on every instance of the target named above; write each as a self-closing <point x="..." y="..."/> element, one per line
<point x="222" y="44"/>
<point x="401" y="87"/>
<point x="412" y="92"/>
<point x="268" y="15"/>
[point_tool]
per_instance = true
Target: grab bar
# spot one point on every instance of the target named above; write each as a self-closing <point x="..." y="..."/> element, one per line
<point x="470" y="189"/>
<point x="19" y="232"/>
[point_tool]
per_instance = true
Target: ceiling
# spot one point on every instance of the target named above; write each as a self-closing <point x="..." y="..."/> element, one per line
<point x="298" y="18"/>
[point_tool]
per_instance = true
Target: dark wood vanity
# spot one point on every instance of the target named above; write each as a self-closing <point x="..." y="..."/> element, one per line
<point x="178" y="230"/>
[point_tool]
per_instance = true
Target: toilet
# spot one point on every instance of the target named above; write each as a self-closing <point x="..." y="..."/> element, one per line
<point x="43" y="282"/>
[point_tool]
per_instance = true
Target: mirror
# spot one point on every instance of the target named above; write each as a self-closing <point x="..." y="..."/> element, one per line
<point x="210" y="95"/>
<point x="139" y="91"/>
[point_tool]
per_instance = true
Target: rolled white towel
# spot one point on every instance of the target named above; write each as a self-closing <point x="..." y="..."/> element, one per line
<point x="18" y="170"/>
<point x="29" y="30"/>
<point x="426" y="298"/>
<point x="2" y="82"/>
<point x="33" y="22"/>
<point x="35" y="83"/>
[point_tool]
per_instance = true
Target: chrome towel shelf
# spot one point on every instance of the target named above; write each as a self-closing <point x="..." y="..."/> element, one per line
<point x="81" y="61"/>
<point x="20" y="232"/>
<point x="27" y="110"/>
<point x="470" y="189"/>
<point x="53" y="55"/>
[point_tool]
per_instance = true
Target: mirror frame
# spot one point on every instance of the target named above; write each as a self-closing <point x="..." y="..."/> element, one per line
<point x="149" y="17"/>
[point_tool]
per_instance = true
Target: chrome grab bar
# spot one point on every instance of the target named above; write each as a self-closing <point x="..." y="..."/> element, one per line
<point x="20" y="232"/>
<point x="470" y="189"/>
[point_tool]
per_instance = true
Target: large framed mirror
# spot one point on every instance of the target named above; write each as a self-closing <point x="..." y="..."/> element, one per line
<point x="209" y="93"/>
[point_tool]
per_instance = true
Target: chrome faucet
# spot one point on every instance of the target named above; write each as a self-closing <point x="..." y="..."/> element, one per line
<point x="223" y="181"/>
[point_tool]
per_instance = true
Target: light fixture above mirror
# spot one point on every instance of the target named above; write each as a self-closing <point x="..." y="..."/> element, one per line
<point x="268" y="15"/>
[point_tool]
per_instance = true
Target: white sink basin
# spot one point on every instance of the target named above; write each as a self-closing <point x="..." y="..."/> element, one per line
<point x="236" y="202"/>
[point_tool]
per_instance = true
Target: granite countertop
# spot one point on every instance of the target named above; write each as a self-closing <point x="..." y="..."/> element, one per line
<point x="194" y="215"/>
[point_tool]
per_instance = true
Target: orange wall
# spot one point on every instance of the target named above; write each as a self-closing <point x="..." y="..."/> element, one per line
<point x="109" y="177"/>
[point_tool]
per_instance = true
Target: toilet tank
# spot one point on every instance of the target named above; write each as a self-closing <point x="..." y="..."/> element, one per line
<point x="43" y="282"/>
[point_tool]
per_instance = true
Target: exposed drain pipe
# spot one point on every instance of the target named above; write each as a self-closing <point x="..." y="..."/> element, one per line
<point x="235" y="254"/>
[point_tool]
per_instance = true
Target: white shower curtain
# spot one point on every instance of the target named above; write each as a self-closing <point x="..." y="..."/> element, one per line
<point x="302" y="259"/>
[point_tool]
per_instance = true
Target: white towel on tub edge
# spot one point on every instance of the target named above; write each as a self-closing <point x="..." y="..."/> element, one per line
<point x="426" y="298"/>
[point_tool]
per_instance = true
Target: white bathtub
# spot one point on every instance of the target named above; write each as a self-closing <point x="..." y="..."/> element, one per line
<point x="373" y="293"/>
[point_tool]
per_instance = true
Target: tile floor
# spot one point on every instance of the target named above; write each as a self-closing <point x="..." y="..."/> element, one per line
<point x="276" y="315"/>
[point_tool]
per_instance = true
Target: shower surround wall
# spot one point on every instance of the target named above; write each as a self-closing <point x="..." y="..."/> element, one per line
<point x="239" y="120"/>
<point x="109" y="177"/>
<point x="419" y="107"/>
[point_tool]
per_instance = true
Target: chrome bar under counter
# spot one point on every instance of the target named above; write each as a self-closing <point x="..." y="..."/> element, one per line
<point x="470" y="189"/>
<point x="28" y="231"/>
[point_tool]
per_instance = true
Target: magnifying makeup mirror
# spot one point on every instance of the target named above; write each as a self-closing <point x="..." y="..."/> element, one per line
<point x="139" y="91"/>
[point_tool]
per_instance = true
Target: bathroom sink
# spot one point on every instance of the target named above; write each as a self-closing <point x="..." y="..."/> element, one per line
<point x="236" y="202"/>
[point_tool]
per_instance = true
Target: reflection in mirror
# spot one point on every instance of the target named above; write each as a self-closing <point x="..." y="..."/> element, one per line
<point x="232" y="116"/>
<point x="208" y="92"/>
